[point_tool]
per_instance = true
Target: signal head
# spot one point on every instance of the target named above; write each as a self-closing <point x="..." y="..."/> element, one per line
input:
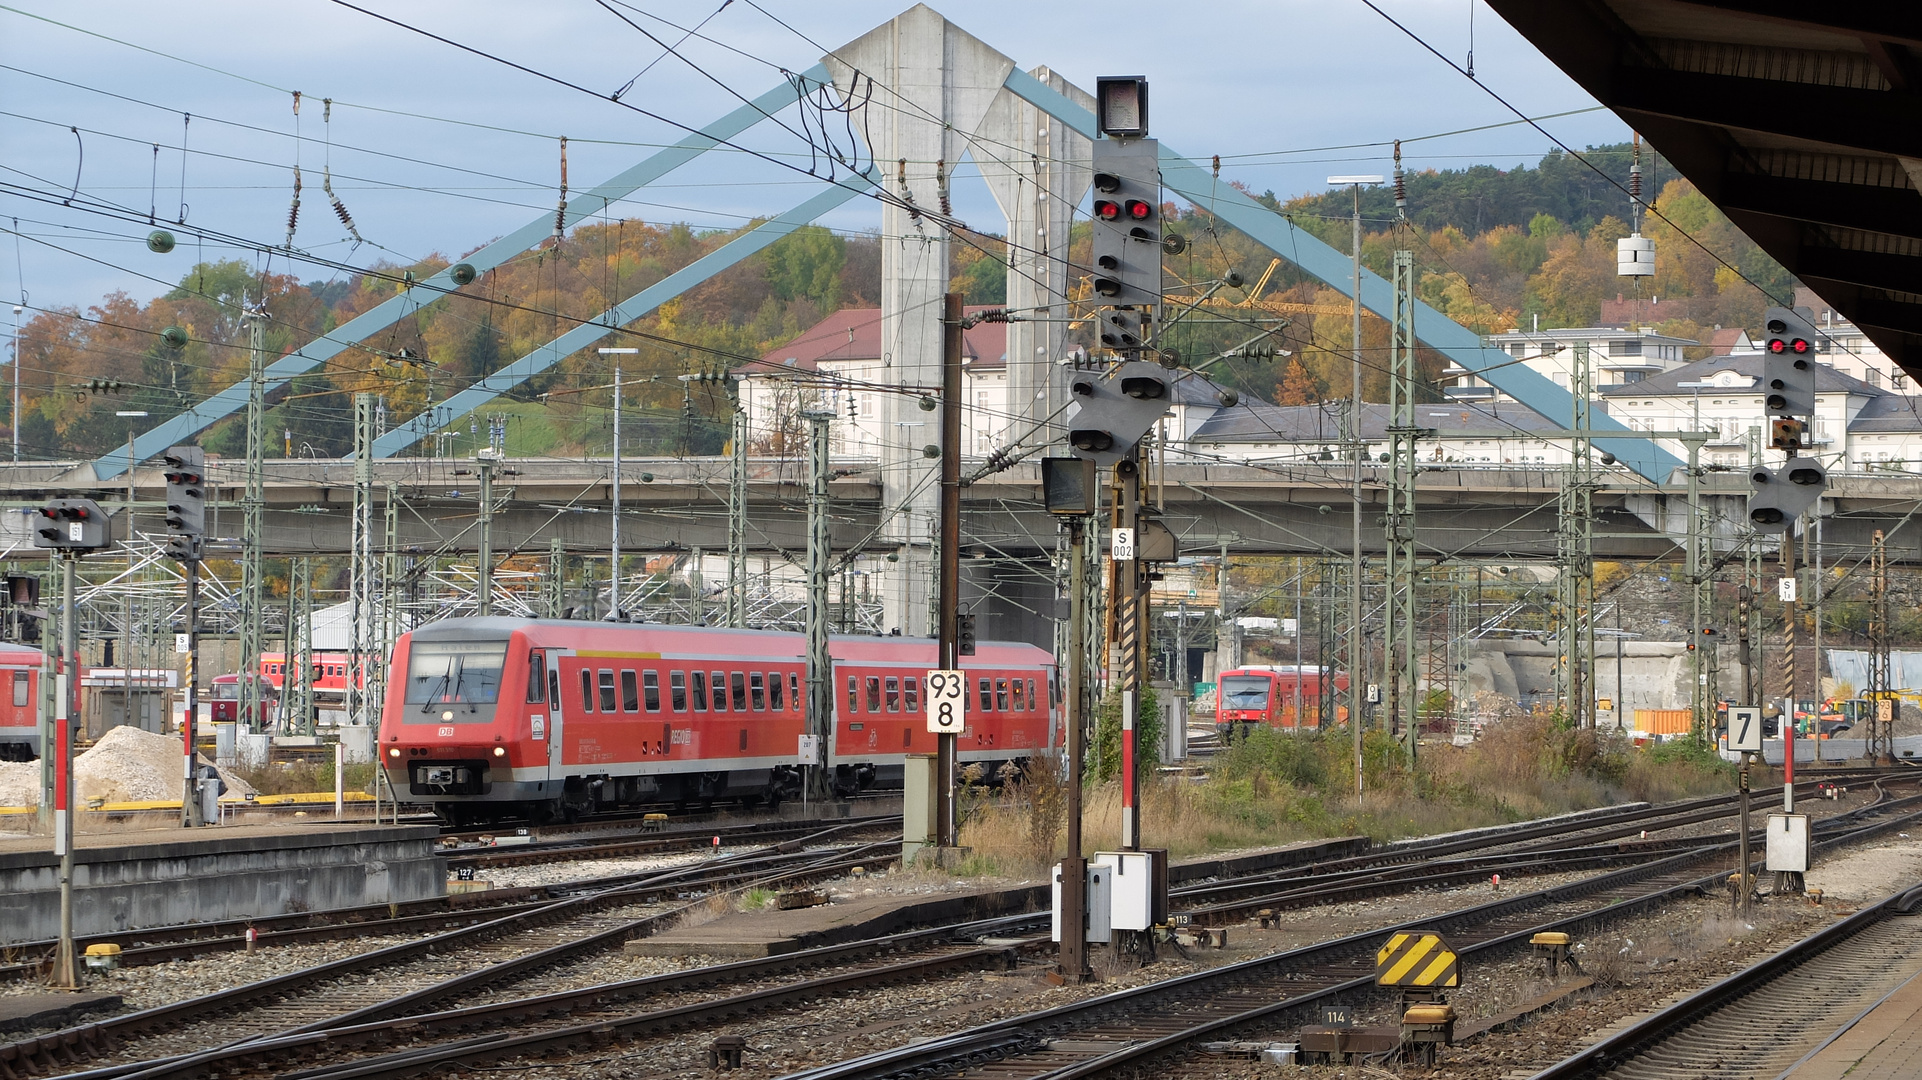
<point x="1106" y="183"/>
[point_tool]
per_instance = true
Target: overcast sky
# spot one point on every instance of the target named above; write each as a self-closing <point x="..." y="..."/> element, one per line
<point x="437" y="150"/>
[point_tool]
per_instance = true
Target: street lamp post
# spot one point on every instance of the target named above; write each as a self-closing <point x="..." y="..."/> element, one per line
<point x="1355" y="446"/>
<point x="614" y="534"/>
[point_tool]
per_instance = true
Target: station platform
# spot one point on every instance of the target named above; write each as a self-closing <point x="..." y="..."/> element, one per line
<point x="126" y="879"/>
<point x="1885" y="1044"/>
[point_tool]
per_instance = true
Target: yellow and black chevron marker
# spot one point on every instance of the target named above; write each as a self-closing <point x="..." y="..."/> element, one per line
<point x="1417" y="960"/>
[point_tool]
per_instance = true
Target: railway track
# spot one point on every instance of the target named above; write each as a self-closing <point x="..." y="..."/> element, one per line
<point x="344" y="1011"/>
<point x="545" y="850"/>
<point x="417" y="974"/>
<point x="1758" y="1022"/>
<point x="592" y="1014"/>
<point x="1135" y="1029"/>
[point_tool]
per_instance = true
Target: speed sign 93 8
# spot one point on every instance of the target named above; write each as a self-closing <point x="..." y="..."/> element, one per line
<point x="947" y="701"/>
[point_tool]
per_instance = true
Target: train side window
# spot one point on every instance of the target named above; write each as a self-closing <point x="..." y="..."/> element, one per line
<point x="1000" y="695"/>
<point x="874" y="693"/>
<point x="794" y="690"/>
<point x="630" y="693"/>
<point x="19" y="689"/>
<point x="1033" y="702"/>
<point x="700" y="691"/>
<point x="757" y="689"/>
<point x="554" y="687"/>
<point x="894" y="694"/>
<point x="774" y="691"/>
<point x="854" y="694"/>
<point x="536" y="681"/>
<point x="912" y="688"/>
<point x="739" y="683"/>
<point x="677" y="690"/>
<point x="587" y="690"/>
<point x="986" y="688"/>
<point x="1020" y="699"/>
<point x="718" y="680"/>
<point x="651" y="690"/>
<point x="607" y="690"/>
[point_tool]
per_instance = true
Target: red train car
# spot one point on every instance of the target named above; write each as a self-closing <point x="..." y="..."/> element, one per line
<point x="508" y="716"/>
<point x="330" y="672"/>
<point x="19" y="697"/>
<point x="1265" y="695"/>
<point x="223" y="701"/>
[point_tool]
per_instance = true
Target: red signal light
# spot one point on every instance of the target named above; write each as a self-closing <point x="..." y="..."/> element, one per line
<point x="1777" y="345"/>
<point x="1107" y="210"/>
<point x="1139" y="210"/>
<point x="1798" y="346"/>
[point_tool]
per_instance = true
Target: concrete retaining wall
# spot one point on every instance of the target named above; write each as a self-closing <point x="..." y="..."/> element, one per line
<point x="216" y="874"/>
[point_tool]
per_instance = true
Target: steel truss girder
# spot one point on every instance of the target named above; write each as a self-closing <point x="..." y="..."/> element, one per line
<point x="1305" y="250"/>
<point x="182" y="428"/>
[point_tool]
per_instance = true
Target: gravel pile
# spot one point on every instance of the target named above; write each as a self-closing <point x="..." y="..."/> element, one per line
<point x="126" y="765"/>
<point x="19" y="783"/>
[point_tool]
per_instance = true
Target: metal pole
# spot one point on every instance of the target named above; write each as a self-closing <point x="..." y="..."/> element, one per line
<point x="820" y="669"/>
<point x="14" y="417"/>
<point x="1355" y="447"/>
<point x="126" y="600"/>
<point x="1788" y="678"/>
<point x="65" y="976"/>
<point x="737" y="520"/>
<point x="950" y="553"/>
<point x="485" y="605"/>
<point x="189" y="807"/>
<point x="614" y="530"/>
<point x="252" y="594"/>
<point x="1745" y="889"/>
<point x="1073" y="956"/>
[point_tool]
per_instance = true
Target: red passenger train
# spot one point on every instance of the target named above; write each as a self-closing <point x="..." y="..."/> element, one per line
<point x="507" y="716"/>
<point x="19" y="702"/>
<point x="1265" y="695"/>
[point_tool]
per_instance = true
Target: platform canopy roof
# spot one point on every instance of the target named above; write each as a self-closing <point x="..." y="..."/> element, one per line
<point x="1801" y="120"/>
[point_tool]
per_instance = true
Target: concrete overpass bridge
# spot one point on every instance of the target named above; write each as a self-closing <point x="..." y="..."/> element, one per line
<point x="673" y="505"/>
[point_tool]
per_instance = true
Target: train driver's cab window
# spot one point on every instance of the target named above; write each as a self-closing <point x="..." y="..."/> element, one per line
<point x="1245" y="692"/>
<point x="536" y="677"/>
<point x="454" y="677"/>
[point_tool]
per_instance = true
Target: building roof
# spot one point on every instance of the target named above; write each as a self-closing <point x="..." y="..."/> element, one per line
<point x="1827" y="379"/>
<point x="1888" y="412"/>
<point x="1259" y="422"/>
<point x="1728" y="340"/>
<point x="855" y="334"/>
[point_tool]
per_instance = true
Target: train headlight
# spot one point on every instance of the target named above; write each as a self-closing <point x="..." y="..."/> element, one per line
<point x="448" y="715"/>
<point x="500" y="751"/>
<point x="393" y="751"/>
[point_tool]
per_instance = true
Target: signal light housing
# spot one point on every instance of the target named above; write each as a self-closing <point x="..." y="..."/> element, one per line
<point x="1779" y="496"/>
<point x="1126" y="237"/>
<point x="1112" y="412"/>
<point x="71" y="525"/>
<point x="1788" y="365"/>
<point x="186" y="501"/>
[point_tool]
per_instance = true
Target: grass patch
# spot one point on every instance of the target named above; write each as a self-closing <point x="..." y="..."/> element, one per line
<point x="301" y="776"/>
<point x="1274" y="788"/>
<point x="756" y="899"/>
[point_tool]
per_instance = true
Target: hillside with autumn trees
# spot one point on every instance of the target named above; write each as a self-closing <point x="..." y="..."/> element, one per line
<point x="1493" y="249"/>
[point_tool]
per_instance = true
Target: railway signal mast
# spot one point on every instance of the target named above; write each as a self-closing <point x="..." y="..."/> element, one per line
<point x="1778" y="498"/>
<point x="1116" y="404"/>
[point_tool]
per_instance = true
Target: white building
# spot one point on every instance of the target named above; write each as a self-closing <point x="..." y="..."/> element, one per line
<point x="1849" y="350"/>
<point x="1615" y="357"/>
<point x="841" y="365"/>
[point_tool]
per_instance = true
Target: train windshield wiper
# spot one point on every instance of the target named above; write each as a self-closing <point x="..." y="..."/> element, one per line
<point x="428" y="705"/>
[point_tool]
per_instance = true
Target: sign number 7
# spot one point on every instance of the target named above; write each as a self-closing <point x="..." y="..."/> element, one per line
<point x="1745" y="729"/>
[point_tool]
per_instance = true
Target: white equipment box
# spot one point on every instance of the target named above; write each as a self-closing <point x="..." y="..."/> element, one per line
<point x="1788" y="843"/>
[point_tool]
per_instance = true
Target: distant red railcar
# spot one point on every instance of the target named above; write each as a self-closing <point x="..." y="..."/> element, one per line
<point x="1247" y="697"/>
<point x="508" y="716"/>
